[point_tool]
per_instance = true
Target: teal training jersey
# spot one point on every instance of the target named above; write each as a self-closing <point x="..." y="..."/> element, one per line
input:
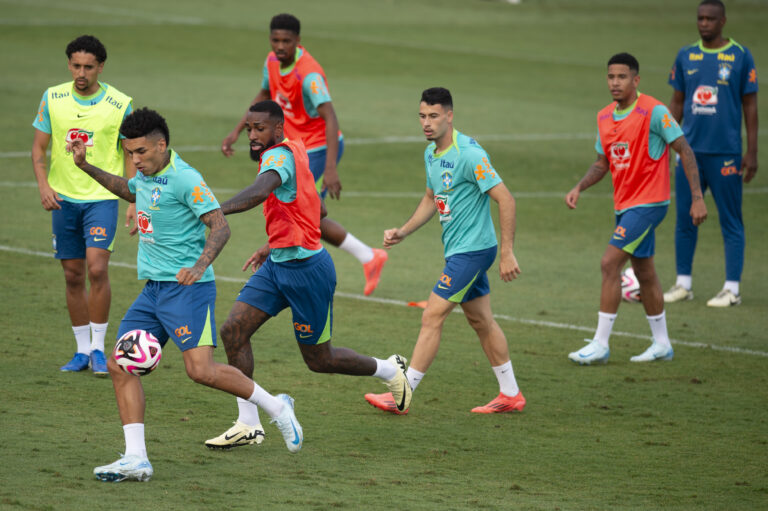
<point x="169" y="205"/>
<point x="459" y="177"/>
<point x="280" y="159"/>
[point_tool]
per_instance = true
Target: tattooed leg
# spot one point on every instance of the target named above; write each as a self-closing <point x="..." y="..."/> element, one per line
<point x="242" y="323"/>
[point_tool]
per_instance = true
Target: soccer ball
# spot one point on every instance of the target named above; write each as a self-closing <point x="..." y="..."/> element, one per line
<point x="138" y="352"/>
<point x="630" y="287"/>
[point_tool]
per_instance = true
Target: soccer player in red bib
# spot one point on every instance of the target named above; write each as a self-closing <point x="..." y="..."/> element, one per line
<point x="634" y="134"/>
<point x="295" y="80"/>
<point x="292" y="270"/>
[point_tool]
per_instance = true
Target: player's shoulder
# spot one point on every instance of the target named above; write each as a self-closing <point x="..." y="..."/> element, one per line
<point x="116" y="93"/>
<point x="59" y="91"/>
<point x="738" y="48"/>
<point x="181" y="168"/>
<point x="468" y="146"/>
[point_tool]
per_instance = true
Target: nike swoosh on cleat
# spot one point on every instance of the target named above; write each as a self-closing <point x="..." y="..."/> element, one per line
<point x="228" y="438"/>
<point x="295" y="434"/>
<point x="581" y="355"/>
<point x="401" y="406"/>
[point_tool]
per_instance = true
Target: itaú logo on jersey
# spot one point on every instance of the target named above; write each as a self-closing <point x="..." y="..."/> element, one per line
<point x="620" y="155"/>
<point x="145" y="222"/>
<point x="77" y="133"/>
<point x="704" y="100"/>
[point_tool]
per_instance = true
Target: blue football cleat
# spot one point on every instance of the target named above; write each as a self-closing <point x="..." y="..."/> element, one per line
<point x="78" y="363"/>
<point x="99" y="363"/>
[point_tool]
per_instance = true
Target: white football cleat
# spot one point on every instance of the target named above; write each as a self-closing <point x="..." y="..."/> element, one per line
<point x="239" y="434"/>
<point x="127" y="467"/>
<point x="592" y="353"/>
<point x="677" y="293"/>
<point x="654" y="352"/>
<point x="288" y="425"/>
<point x="724" y="298"/>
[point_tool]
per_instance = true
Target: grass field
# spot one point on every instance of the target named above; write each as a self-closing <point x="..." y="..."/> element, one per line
<point x="527" y="82"/>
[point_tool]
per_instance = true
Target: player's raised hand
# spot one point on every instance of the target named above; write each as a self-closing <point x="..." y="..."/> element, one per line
<point x="572" y="197"/>
<point x="77" y="148"/>
<point x="508" y="267"/>
<point x="227" y="143"/>
<point x="393" y="237"/>
<point x="188" y="276"/>
<point x="257" y="259"/>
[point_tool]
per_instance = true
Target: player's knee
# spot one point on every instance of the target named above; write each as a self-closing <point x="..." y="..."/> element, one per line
<point x="204" y="374"/>
<point x="74" y="277"/>
<point x="318" y="363"/>
<point x="98" y="273"/>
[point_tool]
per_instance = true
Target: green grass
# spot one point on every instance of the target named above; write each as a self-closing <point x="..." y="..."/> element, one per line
<point x="683" y="435"/>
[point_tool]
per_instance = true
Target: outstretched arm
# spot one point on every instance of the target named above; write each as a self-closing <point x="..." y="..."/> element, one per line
<point x="115" y="184"/>
<point x="217" y="238"/>
<point x="688" y="159"/>
<point x="253" y="195"/>
<point x="595" y="173"/>
<point x="424" y="211"/>
<point x="508" y="267"/>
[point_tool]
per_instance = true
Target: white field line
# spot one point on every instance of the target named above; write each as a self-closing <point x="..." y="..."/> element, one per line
<point x="400" y="303"/>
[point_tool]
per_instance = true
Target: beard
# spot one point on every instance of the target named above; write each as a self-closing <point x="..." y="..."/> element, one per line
<point x="255" y="155"/>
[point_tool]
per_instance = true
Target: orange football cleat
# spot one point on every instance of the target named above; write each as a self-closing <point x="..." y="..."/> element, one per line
<point x="384" y="402"/>
<point x="501" y="404"/>
<point x="373" y="268"/>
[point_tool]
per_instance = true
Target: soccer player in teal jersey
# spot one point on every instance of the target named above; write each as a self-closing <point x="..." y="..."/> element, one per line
<point x="460" y="183"/>
<point x="175" y="206"/>
<point x="714" y="80"/>
<point x="296" y="81"/>
<point x="83" y="214"/>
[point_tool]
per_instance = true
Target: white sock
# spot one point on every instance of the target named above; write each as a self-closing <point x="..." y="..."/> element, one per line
<point x="732" y="286"/>
<point x="269" y="403"/>
<point x="684" y="280"/>
<point x="604" y="327"/>
<point x="357" y="248"/>
<point x="134" y="440"/>
<point x="98" y="331"/>
<point x="248" y="412"/>
<point x="414" y="377"/>
<point x="83" y="338"/>
<point x="659" y="328"/>
<point x="506" y="376"/>
<point x="384" y="369"/>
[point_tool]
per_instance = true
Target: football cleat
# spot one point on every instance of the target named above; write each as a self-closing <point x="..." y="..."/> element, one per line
<point x="724" y="298"/>
<point x="128" y="467"/>
<point x="79" y="362"/>
<point x="288" y="425"/>
<point x="98" y="363"/>
<point x="592" y="353"/>
<point x="399" y="386"/>
<point x="654" y="352"/>
<point x="373" y="269"/>
<point x="384" y="402"/>
<point x="238" y="435"/>
<point x="503" y="404"/>
<point x="677" y="293"/>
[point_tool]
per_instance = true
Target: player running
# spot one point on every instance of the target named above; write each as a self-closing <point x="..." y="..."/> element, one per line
<point x="291" y="270"/>
<point x="295" y="80"/>
<point x="633" y="135"/>
<point x="460" y="181"/>
<point x="83" y="213"/>
<point x="174" y="208"/>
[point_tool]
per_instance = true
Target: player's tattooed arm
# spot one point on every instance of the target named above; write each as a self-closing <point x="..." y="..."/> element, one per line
<point x="688" y="159"/>
<point x="253" y="195"/>
<point x="115" y="184"/>
<point x="217" y="238"/>
<point x="595" y="173"/>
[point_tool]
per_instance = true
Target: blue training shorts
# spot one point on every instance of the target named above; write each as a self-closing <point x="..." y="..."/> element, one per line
<point x="186" y="314"/>
<point x="317" y="166"/>
<point x="306" y="286"/>
<point x="465" y="276"/>
<point x="78" y="225"/>
<point x="635" y="230"/>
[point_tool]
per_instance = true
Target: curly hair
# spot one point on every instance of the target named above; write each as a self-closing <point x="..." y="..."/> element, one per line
<point x="88" y="44"/>
<point x="143" y="122"/>
<point x="285" y="22"/>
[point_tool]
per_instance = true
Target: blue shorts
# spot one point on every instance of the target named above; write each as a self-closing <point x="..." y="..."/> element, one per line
<point x="317" y="166"/>
<point x="464" y="277"/>
<point x="167" y="309"/>
<point x="635" y="230"/>
<point x="78" y="225"/>
<point x="306" y="286"/>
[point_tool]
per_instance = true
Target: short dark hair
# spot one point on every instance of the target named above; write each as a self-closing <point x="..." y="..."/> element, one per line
<point x="270" y="107"/>
<point x="143" y="122"/>
<point x="716" y="3"/>
<point x="285" y="22"/>
<point x="627" y="60"/>
<point x="438" y="96"/>
<point x="88" y="44"/>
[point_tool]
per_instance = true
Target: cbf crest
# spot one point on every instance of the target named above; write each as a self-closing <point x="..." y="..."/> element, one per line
<point x="723" y="73"/>
<point x="154" y="197"/>
<point x="447" y="180"/>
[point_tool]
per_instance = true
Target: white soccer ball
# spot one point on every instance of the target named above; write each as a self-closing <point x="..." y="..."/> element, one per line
<point x="630" y="287"/>
<point x="138" y="352"/>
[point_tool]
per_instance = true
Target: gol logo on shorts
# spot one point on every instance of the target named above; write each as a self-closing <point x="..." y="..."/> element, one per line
<point x="182" y="330"/>
<point x="306" y="329"/>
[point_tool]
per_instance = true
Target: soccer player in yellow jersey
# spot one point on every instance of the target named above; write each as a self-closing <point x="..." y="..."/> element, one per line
<point x="84" y="214"/>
